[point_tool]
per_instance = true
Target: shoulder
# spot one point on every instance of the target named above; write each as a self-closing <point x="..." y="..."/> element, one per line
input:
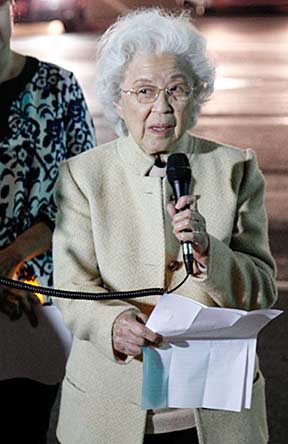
<point x="55" y="73"/>
<point x="94" y="160"/>
<point x="225" y="161"/>
<point x="92" y="168"/>
<point x="215" y="149"/>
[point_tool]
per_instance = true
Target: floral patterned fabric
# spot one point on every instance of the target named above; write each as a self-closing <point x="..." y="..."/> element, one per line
<point x="43" y="120"/>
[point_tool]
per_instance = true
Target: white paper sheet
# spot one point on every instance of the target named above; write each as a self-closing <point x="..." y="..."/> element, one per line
<point x="208" y="357"/>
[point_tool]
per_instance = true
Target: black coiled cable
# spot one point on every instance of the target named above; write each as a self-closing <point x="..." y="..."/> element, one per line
<point x="66" y="294"/>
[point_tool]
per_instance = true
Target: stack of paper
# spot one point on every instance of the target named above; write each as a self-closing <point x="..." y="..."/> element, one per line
<point x="207" y="359"/>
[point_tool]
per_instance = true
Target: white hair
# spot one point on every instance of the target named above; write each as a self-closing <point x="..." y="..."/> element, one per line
<point x="150" y="31"/>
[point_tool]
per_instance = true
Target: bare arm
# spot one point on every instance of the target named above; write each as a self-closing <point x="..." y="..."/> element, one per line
<point x="29" y="244"/>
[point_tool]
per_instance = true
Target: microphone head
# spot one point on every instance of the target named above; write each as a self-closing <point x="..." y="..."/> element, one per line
<point x="178" y="168"/>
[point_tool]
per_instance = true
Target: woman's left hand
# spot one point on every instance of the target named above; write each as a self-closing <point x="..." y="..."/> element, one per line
<point x="15" y="303"/>
<point x="190" y="225"/>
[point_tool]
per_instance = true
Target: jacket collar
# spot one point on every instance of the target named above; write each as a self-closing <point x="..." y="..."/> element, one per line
<point x="140" y="162"/>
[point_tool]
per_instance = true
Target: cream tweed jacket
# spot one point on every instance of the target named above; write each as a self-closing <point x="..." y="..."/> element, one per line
<point x="110" y="235"/>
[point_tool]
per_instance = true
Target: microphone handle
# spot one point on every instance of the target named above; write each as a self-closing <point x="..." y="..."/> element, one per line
<point x="187" y="250"/>
<point x="188" y="256"/>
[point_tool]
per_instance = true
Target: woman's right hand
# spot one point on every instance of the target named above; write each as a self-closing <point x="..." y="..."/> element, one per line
<point x="130" y="334"/>
<point x="14" y="303"/>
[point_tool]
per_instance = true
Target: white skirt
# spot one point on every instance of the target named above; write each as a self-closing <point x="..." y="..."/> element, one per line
<point x="37" y="353"/>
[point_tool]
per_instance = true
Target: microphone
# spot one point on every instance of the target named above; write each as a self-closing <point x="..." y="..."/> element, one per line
<point x="179" y="177"/>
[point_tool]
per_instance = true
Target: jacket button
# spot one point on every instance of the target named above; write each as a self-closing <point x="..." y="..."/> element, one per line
<point x="174" y="265"/>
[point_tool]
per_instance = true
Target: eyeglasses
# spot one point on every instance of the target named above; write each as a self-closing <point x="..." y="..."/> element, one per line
<point x="149" y="94"/>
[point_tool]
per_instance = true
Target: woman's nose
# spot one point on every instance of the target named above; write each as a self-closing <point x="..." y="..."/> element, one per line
<point x="162" y="103"/>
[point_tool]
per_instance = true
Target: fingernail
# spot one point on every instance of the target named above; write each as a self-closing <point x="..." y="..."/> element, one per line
<point x="140" y="320"/>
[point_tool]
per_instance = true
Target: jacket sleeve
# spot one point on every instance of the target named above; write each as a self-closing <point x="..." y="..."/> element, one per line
<point x="242" y="274"/>
<point x="76" y="269"/>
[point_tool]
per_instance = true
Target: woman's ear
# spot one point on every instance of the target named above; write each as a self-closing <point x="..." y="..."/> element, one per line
<point x="119" y="108"/>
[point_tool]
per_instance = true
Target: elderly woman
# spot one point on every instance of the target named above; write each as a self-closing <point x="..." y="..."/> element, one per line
<point x="113" y="233"/>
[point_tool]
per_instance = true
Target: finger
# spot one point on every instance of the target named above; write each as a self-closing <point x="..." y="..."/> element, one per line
<point x="127" y="324"/>
<point x="135" y="340"/>
<point x="133" y="350"/>
<point x="14" y="294"/>
<point x="155" y="343"/>
<point x="28" y="309"/>
<point x="128" y="344"/>
<point x="34" y="299"/>
<point x="142" y="318"/>
<point x="139" y="330"/>
<point x="196" y="237"/>
<point x="188" y="225"/>
<point x="182" y="202"/>
<point x="129" y="338"/>
<point x="185" y="214"/>
<point x="132" y="346"/>
<point x="32" y="317"/>
<point x="125" y="335"/>
<point x="151" y="337"/>
<point x="128" y="349"/>
<point x="183" y="224"/>
<point x="9" y="304"/>
<point x="197" y="217"/>
<point x="12" y="310"/>
<point x="188" y="201"/>
<point x="10" y="298"/>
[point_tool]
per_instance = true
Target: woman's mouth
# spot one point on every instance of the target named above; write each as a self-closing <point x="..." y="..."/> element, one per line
<point x="160" y="129"/>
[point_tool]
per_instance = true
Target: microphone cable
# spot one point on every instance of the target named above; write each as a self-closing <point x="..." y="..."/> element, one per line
<point x="86" y="296"/>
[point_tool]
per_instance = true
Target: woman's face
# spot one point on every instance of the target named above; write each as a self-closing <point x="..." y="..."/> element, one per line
<point x="156" y="126"/>
<point x="5" y="24"/>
